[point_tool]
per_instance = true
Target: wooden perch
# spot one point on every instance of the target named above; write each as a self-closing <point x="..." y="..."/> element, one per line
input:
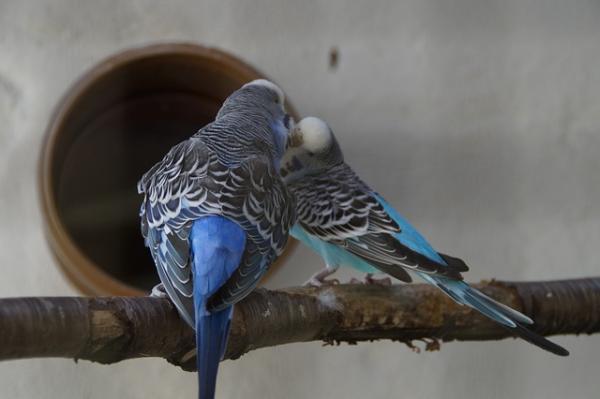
<point x="108" y="330"/>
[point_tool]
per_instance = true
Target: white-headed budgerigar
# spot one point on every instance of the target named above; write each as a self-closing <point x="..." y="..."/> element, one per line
<point x="347" y="223"/>
<point x="216" y="214"/>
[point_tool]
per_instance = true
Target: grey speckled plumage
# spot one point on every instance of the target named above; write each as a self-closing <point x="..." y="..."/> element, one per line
<point x="348" y="223"/>
<point x="227" y="168"/>
<point x="339" y="208"/>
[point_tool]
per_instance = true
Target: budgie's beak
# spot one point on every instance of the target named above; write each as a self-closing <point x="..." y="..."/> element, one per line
<point x="295" y="138"/>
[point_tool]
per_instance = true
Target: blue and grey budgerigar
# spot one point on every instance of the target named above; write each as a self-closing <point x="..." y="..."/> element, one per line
<point x="347" y="223"/>
<point x="216" y="214"/>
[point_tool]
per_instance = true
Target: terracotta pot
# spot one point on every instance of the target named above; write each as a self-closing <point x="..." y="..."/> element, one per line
<point x="113" y="125"/>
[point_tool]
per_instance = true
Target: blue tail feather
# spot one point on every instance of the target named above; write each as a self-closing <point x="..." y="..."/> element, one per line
<point x="462" y="292"/>
<point x="211" y="340"/>
<point x="217" y="248"/>
<point x="507" y="317"/>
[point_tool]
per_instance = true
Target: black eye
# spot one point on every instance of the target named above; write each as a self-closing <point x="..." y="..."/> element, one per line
<point x="286" y="121"/>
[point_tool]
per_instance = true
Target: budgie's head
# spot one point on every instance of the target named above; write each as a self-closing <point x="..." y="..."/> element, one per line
<point x="259" y="109"/>
<point x="312" y="149"/>
<point x="259" y="97"/>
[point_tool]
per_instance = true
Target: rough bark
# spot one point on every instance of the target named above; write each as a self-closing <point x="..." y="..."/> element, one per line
<point x="108" y="330"/>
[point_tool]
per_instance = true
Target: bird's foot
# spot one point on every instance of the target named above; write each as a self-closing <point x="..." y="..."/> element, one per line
<point x="385" y="282"/>
<point x="322" y="282"/>
<point x="158" y="291"/>
<point x="369" y="280"/>
<point x="319" y="279"/>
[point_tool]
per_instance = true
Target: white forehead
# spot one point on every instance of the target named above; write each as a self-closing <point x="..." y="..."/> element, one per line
<point x="269" y="85"/>
<point x="316" y="135"/>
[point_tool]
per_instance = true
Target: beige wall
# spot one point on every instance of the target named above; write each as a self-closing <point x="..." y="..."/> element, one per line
<point x="479" y="120"/>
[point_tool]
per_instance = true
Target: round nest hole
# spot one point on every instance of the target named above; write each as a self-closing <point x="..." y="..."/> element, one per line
<point x="116" y="122"/>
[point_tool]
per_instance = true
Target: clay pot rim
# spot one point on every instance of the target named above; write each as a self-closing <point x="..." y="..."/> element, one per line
<point x="76" y="265"/>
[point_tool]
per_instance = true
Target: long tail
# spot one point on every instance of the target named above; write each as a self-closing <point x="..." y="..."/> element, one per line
<point x="217" y="247"/>
<point x="509" y="318"/>
<point x="212" y="331"/>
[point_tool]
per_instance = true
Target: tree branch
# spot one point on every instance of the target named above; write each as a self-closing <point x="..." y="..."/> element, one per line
<point x="108" y="330"/>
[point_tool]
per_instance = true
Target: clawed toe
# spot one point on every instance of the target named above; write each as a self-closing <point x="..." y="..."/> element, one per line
<point x="316" y="282"/>
<point x="319" y="279"/>
<point x="313" y="282"/>
<point x="158" y="291"/>
<point x="369" y="280"/>
<point x="386" y="281"/>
